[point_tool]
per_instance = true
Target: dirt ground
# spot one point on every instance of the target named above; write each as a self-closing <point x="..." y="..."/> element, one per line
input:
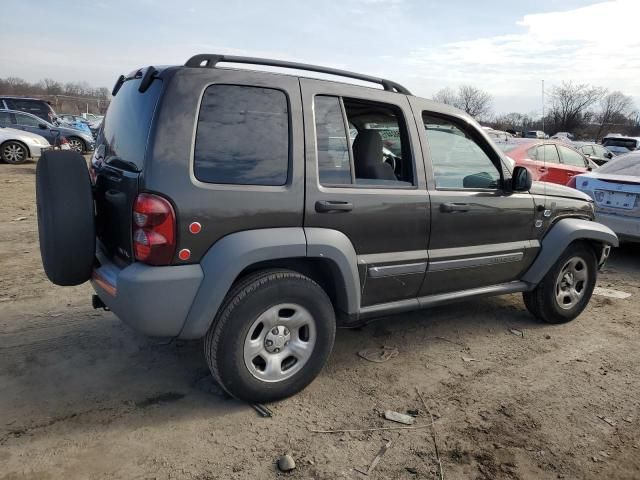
<point x="83" y="396"/>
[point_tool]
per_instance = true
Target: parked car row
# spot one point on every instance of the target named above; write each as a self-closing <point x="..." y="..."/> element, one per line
<point x="38" y="117"/>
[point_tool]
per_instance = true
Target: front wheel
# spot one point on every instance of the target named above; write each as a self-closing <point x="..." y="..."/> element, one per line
<point x="13" y="152"/>
<point x="76" y="144"/>
<point x="566" y="289"/>
<point x="272" y="336"/>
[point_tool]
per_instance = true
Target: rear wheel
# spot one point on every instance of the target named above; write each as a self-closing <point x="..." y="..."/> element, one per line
<point x="76" y="144"/>
<point x="272" y="336"/>
<point x="566" y="289"/>
<point x="13" y="152"/>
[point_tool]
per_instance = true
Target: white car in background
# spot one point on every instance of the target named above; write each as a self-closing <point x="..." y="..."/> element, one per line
<point x="615" y="188"/>
<point x="17" y="146"/>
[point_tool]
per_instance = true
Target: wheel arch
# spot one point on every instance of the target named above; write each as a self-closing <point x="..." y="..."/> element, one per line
<point x="321" y="254"/>
<point x="563" y="233"/>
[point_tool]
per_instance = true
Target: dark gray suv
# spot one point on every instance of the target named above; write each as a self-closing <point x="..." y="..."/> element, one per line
<point x="260" y="211"/>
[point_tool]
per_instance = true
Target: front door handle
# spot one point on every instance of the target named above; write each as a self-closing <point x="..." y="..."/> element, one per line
<point x="454" y="207"/>
<point x="331" y="206"/>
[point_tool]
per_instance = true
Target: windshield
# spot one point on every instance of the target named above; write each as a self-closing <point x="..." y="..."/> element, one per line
<point x="127" y="123"/>
<point x="627" y="165"/>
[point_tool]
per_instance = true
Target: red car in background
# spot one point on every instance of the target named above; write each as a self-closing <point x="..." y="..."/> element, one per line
<point x="549" y="161"/>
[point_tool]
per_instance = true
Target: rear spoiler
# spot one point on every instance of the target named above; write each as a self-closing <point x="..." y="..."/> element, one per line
<point x="147" y="75"/>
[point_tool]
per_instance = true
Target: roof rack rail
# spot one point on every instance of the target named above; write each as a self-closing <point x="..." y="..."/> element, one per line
<point x="210" y="61"/>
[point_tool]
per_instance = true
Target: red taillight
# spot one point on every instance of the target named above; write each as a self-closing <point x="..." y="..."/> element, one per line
<point x="154" y="230"/>
<point x="572" y="182"/>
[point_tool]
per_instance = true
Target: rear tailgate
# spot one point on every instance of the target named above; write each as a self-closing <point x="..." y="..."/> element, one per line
<point x="119" y="161"/>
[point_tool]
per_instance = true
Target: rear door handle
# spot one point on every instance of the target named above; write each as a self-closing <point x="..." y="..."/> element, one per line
<point x="330" y="206"/>
<point x="454" y="207"/>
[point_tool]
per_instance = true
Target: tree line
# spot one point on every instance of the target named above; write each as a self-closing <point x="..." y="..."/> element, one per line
<point x="589" y="112"/>
<point x="69" y="97"/>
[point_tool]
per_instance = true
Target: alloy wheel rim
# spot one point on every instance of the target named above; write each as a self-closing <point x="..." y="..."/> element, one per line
<point x="13" y="153"/>
<point x="280" y="342"/>
<point x="75" y="145"/>
<point x="571" y="283"/>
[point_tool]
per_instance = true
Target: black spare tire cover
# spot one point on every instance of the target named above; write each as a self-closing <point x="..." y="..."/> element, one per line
<point x="66" y="219"/>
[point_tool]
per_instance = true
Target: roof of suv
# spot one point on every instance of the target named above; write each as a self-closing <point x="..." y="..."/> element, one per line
<point x="211" y="61"/>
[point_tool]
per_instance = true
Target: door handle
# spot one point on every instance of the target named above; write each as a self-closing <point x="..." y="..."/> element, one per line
<point x="542" y="169"/>
<point x="454" y="207"/>
<point x="330" y="206"/>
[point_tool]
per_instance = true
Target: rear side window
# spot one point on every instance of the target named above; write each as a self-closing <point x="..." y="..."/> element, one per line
<point x="242" y="136"/>
<point x="544" y="153"/>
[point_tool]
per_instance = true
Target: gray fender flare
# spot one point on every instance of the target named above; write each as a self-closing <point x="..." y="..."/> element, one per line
<point x="228" y="257"/>
<point x="336" y="247"/>
<point x="558" y="238"/>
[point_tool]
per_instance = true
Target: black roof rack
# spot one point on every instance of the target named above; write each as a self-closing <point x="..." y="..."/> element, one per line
<point x="210" y="61"/>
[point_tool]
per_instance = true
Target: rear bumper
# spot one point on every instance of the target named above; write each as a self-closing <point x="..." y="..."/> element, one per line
<point x="153" y="300"/>
<point x="627" y="228"/>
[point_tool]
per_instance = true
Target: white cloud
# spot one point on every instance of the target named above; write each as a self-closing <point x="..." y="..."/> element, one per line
<point x="598" y="44"/>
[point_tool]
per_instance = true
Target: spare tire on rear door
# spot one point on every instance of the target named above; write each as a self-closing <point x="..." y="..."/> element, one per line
<point x="66" y="218"/>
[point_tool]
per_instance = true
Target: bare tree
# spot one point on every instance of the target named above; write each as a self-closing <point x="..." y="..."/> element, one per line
<point x="570" y="104"/>
<point x="446" y="96"/>
<point x="614" y="106"/>
<point x="474" y="101"/>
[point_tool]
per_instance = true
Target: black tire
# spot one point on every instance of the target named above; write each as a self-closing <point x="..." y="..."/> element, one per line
<point x="66" y="221"/>
<point x="77" y="144"/>
<point x="245" y="303"/>
<point x="13" y="152"/>
<point x="543" y="301"/>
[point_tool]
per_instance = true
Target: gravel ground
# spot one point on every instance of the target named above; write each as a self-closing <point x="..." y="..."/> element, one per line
<point x="84" y="396"/>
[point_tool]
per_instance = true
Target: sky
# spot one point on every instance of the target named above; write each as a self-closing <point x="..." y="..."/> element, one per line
<point x="503" y="47"/>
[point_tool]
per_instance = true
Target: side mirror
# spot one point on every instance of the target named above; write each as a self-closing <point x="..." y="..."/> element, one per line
<point x="609" y="155"/>
<point x="521" y="179"/>
<point x="42" y="126"/>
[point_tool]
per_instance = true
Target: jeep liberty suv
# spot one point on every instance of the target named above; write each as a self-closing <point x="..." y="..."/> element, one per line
<point x="260" y="211"/>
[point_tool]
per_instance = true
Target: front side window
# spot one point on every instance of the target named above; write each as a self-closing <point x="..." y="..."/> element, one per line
<point x="458" y="161"/>
<point x="242" y="136"/>
<point x="571" y="157"/>
<point x="27" y="120"/>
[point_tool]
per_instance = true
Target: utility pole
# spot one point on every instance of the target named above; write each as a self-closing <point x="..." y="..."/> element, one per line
<point x="543" y="105"/>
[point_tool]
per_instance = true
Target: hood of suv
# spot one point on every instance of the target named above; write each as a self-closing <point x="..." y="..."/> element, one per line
<point x="555" y="190"/>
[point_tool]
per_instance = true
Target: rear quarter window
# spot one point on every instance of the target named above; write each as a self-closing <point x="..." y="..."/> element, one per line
<point x="242" y="136"/>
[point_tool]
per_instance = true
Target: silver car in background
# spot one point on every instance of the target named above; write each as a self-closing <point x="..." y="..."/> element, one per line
<point x="17" y="146"/>
<point x="615" y="188"/>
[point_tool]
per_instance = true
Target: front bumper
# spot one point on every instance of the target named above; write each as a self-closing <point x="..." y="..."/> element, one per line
<point x="153" y="300"/>
<point x="37" y="150"/>
<point x="627" y="228"/>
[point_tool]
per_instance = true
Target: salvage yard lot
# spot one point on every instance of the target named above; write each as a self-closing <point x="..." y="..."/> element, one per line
<point x="83" y="396"/>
